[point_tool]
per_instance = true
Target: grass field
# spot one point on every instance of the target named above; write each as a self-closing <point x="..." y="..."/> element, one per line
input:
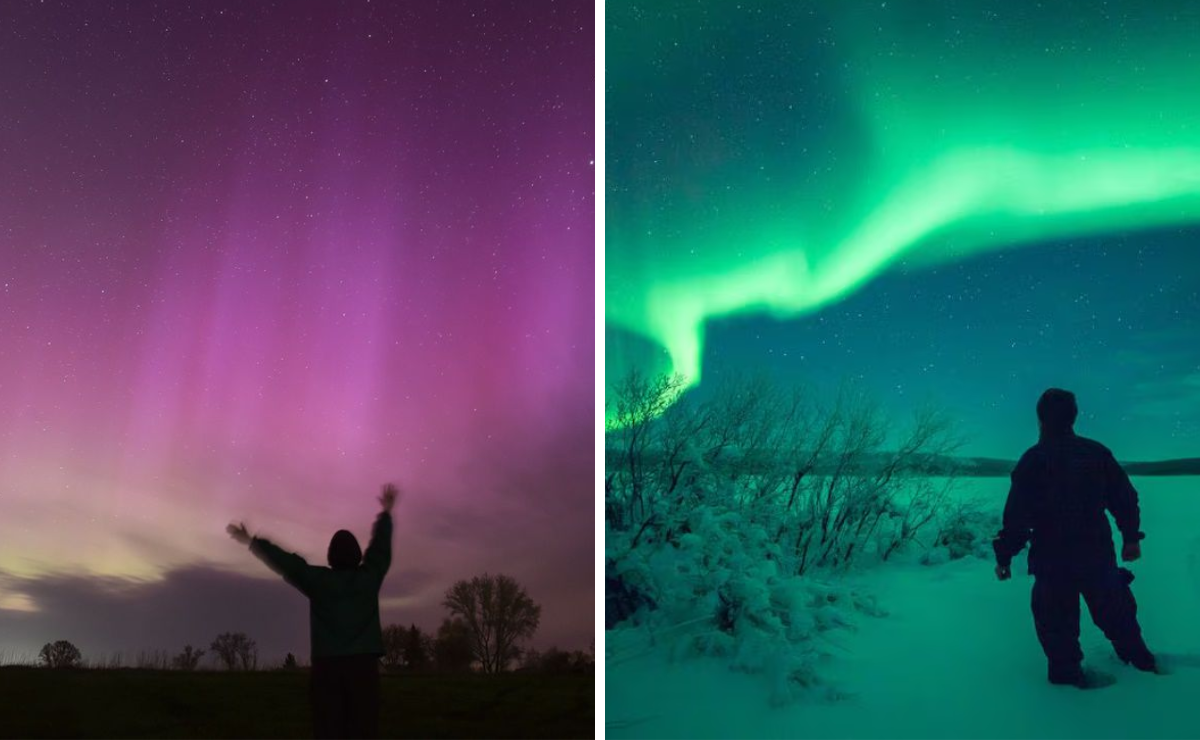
<point x="145" y="703"/>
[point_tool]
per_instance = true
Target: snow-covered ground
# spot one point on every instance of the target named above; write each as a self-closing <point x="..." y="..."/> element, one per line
<point x="956" y="657"/>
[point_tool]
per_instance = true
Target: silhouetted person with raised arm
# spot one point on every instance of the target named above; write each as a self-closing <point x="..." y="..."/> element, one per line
<point x="1061" y="488"/>
<point x="347" y="640"/>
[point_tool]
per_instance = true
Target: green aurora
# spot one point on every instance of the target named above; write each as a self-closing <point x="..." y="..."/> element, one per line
<point x="775" y="157"/>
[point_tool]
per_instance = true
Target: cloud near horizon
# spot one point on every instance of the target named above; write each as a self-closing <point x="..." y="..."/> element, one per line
<point x="106" y="616"/>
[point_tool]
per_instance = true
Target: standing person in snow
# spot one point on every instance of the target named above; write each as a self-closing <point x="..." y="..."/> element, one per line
<point x="343" y="621"/>
<point x="1061" y="488"/>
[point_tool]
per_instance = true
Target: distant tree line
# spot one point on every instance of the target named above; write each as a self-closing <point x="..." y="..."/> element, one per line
<point x="490" y="618"/>
<point x="554" y="660"/>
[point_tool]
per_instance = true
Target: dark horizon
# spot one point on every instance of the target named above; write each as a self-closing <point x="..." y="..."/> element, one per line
<point x="987" y="466"/>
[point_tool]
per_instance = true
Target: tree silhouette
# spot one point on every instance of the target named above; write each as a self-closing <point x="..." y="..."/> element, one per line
<point x="188" y="659"/>
<point x="452" y="647"/>
<point x="409" y="648"/>
<point x="61" y="654"/>
<point x="235" y="649"/>
<point x="289" y="663"/>
<point x="393" y="646"/>
<point x="416" y="648"/>
<point x="531" y="659"/>
<point x="498" y="615"/>
<point x="557" y="661"/>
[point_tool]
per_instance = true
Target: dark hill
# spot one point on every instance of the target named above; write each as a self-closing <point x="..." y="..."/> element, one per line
<point x="975" y="467"/>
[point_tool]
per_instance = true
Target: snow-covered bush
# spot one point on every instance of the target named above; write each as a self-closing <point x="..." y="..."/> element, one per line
<point x="967" y="531"/>
<point x="729" y="521"/>
<point x="718" y="591"/>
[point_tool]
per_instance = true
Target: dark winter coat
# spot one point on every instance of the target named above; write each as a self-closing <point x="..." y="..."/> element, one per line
<point x="343" y="603"/>
<point x="1061" y="488"/>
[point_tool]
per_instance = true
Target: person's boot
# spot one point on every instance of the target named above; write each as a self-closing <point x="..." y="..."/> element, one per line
<point x="1066" y="675"/>
<point x="1080" y="678"/>
<point x="1147" y="663"/>
<point x="1140" y="658"/>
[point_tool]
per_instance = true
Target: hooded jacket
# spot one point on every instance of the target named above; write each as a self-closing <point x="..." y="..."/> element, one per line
<point x="1061" y="489"/>
<point x="343" y="603"/>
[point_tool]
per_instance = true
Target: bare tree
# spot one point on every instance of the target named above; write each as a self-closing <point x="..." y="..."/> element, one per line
<point x="638" y="401"/>
<point x="393" y="646"/>
<point x="498" y="615"/>
<point x="827" y="477"/>
<point x="235" y="650"/>
<point x="60" y="654"/>
<point x="872" y="496"/>
<point x="188" y="659"/>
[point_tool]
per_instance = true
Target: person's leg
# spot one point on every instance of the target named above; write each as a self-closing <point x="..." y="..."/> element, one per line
<point x="1114" y="610"/>
<point x="1056" y="618"/>
<point x="363" y="686"/>
<point x="371" y="696"/>
<point x="323" y="689"/>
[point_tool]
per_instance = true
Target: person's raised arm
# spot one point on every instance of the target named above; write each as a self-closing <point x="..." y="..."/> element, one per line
<point x="1121" y="499"/>
<point x="1018" y="519"/>
<point x="378" y="557"/>
<point x="291" y="566"/>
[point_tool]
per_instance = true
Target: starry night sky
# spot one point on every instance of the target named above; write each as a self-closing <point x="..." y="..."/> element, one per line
<point x="957" y="203"/>
<point x="258" y="258"/>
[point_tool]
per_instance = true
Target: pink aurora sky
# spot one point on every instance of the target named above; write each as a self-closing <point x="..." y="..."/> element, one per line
<point x="257" y="259"/>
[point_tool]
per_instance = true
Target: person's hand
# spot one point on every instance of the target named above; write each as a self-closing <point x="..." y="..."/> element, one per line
<point x="239" y="533"/>
<point x="1131" y="551"/>
<point x="1003" y="572"/>
<point x="388" y="499"/>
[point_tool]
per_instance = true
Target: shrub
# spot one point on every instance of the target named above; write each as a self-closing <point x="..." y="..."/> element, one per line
<point x="61" y="654"/>
<point x="235" y="650"/>
<point x="967" y="531"/>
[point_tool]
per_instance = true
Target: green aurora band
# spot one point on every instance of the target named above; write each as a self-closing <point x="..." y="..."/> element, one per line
<point x="959" y="139"/>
